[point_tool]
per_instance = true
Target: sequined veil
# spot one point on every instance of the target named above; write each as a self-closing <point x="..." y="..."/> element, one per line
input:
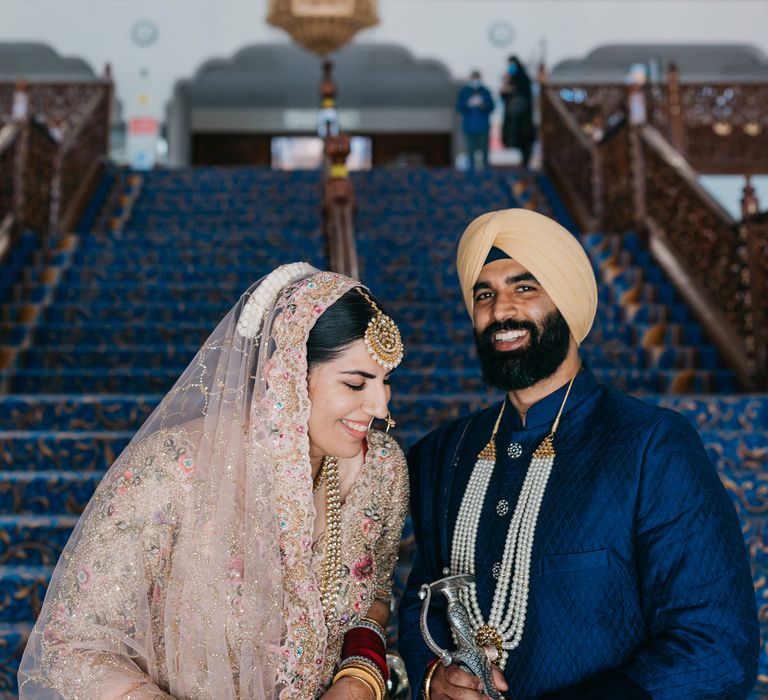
<point x="190" y="569"/>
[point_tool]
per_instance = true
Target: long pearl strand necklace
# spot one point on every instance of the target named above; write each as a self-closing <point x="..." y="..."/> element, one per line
<point x="329" y="584"/>
<point x="503" y="631"/>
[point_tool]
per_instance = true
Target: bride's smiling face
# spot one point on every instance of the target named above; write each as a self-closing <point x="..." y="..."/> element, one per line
<point x="345" y="392"/>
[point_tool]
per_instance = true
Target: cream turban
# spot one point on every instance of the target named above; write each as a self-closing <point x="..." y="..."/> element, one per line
<point x="544" y="248"/>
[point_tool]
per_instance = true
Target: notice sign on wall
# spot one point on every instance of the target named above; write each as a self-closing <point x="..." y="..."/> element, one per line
<point x="142" y="142"/>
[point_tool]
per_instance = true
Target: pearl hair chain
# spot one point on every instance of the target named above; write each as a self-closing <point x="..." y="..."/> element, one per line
<point x="503" y="631"/>
<point x="263" y="298"/>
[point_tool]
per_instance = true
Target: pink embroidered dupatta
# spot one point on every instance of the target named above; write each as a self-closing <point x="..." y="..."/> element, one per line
<point x="190" y="572"/>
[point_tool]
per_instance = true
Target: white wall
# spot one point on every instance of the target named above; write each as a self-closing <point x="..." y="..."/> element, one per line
<point x="455" y="32"/>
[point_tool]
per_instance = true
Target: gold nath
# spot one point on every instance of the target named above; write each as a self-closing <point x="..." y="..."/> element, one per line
<point x="382" y="337"/>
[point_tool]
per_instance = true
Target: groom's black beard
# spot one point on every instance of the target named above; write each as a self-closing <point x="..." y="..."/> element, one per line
<point x="519" y="369"/>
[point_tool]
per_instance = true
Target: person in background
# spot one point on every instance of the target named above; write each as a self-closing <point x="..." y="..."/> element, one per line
<point x="518" y="130"/>
<point x="475" y="104"/>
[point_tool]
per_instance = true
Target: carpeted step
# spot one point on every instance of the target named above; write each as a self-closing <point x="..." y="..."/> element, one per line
<point x="747" y="412"/>
<point x="44" y="493"/>
<point x="66" y="452"/>
<point x="241" y="275"/>
<point x="81" y="412"/>
<point x="128" y="293"/>
<point x="183" y="332"/>
<point x="152" y="311"/>
<point x="116" y="380"/>
<point x="13" y="639"/>
<point x="35" y="540"/>
<point x="66" y="356"/>
<point x="23" y="589"/>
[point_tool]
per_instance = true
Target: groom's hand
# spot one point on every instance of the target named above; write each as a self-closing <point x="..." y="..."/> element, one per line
<point x="451" y="683"/>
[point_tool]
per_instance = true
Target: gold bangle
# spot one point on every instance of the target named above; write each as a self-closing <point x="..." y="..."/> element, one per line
<point x="428" y="678"/>
<point x="370" y="670"/>
<point x="340" y="675"/>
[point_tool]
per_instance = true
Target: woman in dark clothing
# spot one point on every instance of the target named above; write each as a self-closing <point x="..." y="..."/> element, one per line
<point x="518" y="130"/>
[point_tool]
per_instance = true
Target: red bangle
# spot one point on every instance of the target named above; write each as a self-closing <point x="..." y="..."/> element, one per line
<point x="361" y="641"/>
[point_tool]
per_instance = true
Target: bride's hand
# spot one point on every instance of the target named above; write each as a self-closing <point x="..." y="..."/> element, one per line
<point x="348" y="688"/>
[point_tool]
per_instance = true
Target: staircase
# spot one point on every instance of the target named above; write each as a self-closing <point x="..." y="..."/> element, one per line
<point x="644" y="340"/>
<point x="104" y="330"/>
<point x="101" y="331"/>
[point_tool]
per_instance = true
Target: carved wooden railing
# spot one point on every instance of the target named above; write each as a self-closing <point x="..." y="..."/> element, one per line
<point x="591" y="166"/>
<point x="62" y="141"/>
<point x="701" y="249"/>
<point x="644" y="182"/>
<point x="719" y="127"/>
<point x="338" y="209"/>
<point x="753" y="232"/>
<point x="725" y="126"/>
<point x="38" y="172"/>
<point x="619" y="208"/>
<point x="570" y="157"/>
<point x="338" y="192"/>
<point x="80" y="160"/>
<point x="10" y="147"/>
<point x="59" y="104"/>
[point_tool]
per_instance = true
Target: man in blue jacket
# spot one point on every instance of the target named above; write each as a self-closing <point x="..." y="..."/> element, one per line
<point x="475" y="104"/>
<point x="608" y="558"/>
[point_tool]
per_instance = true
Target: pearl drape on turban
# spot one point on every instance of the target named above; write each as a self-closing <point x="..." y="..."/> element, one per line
<point x="544" y="248"/>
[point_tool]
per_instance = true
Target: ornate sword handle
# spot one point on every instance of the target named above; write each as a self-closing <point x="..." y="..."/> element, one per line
<point x="425" y="593"/>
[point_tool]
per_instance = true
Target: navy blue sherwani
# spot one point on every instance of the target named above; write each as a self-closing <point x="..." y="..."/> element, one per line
<point x="640" y="583"/>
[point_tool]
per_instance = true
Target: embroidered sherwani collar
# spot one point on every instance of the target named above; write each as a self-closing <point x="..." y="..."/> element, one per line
<point x="543" y="412"/>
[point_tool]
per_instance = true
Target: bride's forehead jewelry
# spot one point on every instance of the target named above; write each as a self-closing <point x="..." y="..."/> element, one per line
<point x="263" y="299"/>
<point x="382" y="337"/>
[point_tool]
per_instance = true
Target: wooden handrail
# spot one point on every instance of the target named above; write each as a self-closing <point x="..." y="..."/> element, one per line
<point x="675" y="160"/>
<point x="71" y="136"/>
<point x="572" y="159"/>
<point x="699" y="246"/>
<point x="62" y="143"/>
<point x="646" y="184"/>
<point x="8" y="135"/>
<point x="10" y="145"/>
<point x="341" y="240"/>
<point x="338" y="207"/>
<point x="719" y="125"/>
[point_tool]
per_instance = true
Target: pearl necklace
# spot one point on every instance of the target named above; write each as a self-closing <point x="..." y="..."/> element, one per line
<point x="503" y="631"/>
<point x="329" y="585"/>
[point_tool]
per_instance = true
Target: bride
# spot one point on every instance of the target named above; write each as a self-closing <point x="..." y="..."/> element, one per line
<point x="243" y="544"/>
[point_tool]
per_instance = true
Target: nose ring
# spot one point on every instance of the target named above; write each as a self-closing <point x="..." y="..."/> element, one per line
<point x="391" y="422"/>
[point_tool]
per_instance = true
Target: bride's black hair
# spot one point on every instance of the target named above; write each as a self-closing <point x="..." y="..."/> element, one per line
<point x="342" y="323"/>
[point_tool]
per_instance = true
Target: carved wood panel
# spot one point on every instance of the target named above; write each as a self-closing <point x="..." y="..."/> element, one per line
<point x="709" y="244"/>
<point x="572" y="157"/>
<point x="9" y="145"/>
<point x="616" y="164"/>
<point x="724" y="126"/>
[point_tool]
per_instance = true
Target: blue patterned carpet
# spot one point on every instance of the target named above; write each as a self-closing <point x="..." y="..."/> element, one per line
<point x="100" y="334"/>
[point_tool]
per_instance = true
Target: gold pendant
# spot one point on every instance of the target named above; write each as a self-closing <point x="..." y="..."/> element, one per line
<point x="487" y="636"/>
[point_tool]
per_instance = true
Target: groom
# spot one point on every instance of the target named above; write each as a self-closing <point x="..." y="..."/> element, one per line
<point x="608" y="558"/>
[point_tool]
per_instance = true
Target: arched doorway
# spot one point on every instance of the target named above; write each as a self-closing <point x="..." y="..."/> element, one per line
<point x="230" y="111"/>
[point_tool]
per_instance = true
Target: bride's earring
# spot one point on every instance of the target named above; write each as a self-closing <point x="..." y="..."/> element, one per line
<point x="391" y="422"/>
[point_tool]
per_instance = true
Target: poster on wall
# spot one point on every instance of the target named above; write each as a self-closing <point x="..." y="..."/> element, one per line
<point x="142" y="142"/>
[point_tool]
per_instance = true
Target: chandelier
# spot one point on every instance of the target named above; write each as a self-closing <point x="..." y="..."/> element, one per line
<point x="322" y="26"/>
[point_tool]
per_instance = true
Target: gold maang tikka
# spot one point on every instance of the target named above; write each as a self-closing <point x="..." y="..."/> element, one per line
<point x="382" y="337"/>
